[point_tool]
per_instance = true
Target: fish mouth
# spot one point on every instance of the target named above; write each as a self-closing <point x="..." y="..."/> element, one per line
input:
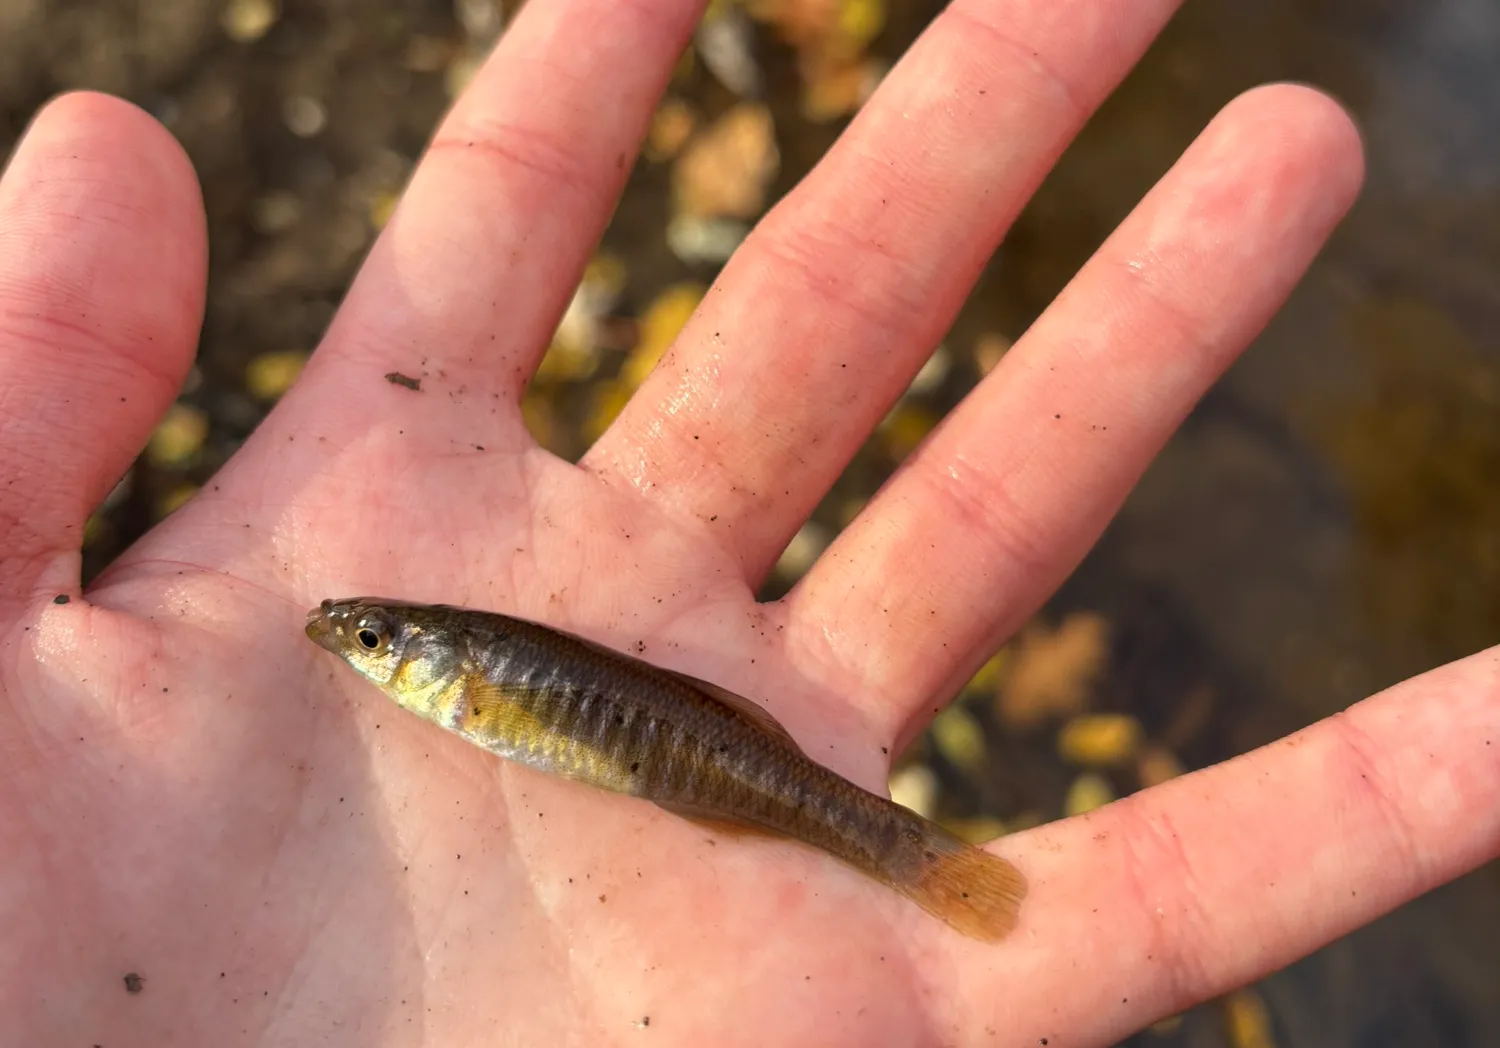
<point x="323" y="622"/>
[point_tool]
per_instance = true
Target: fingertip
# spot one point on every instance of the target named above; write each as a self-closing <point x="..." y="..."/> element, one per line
<point x="83" y="105"/>
<point x="1314" y="125"/>
<point x="82" y="125"/>
<point x="1266" y="182"/>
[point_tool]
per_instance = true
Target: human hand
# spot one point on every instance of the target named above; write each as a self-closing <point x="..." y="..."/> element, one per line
<point x="191" y="791"/>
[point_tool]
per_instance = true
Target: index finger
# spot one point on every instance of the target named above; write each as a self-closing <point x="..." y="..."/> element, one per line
<point x="471" y="274"/>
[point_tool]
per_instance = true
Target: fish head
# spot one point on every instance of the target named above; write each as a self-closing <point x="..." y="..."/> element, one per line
<point x="390" y="643"/>
<point x="362" y="632"/>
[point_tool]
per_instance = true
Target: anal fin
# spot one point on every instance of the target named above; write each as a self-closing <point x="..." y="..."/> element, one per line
<point x="717" y="821"/>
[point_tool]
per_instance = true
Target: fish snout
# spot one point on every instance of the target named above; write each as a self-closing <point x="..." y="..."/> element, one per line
<point x="323" y="623"/>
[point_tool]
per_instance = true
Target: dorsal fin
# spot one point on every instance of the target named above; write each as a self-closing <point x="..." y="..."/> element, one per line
<point x="747" y="710"/>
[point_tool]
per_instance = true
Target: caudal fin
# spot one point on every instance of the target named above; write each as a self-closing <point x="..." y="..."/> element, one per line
<point x="979" y="894"/>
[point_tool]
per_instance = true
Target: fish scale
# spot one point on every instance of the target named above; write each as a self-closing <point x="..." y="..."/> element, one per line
<point x="571" y="707"/>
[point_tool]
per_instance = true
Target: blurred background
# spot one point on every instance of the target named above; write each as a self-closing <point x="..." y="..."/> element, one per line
<point x="1326" y="523"/>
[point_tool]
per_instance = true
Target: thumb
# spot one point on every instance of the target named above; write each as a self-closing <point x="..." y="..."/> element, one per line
<point x="102" y="267"/>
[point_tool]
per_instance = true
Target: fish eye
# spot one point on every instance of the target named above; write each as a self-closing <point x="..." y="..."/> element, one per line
<point x="372" y="634"/>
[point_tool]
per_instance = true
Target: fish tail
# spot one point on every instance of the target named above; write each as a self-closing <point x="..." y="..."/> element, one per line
<point x="977" y="893"/>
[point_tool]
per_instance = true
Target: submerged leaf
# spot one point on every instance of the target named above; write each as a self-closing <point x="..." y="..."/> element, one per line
<point x="724" y="171"/>
<point x="178" y="437"/>
<point x="1247" y="1020"/>
<point x="915" y="787"/>
<point x="270" y="375"/>
<point x="1100" y="740"/>
<point x="1089" y="791"/>
<point x="1053" y="671"/>
<point x="959" y="738"/>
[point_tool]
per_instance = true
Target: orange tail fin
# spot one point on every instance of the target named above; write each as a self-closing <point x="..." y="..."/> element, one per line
<point x="979" y="894"/>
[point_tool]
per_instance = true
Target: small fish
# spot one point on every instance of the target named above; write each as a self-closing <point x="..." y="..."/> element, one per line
<point x="566" y="705"/>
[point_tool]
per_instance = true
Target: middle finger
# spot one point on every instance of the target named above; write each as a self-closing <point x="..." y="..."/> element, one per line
<point x="822" y="319"/>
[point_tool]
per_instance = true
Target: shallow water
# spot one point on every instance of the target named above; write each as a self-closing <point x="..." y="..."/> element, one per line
<point x="1324" y="525"/>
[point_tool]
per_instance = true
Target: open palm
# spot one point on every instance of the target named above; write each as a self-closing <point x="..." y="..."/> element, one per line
<point x="192" y="793"/>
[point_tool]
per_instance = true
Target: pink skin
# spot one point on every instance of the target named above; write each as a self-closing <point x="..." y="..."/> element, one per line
<point x="189" y="789"/>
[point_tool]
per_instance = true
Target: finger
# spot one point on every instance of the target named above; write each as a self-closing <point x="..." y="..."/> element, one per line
<point x="822" y="318"/>
<point x="470" y="276"/>
<point x="1178" y="894"/>
<point x="93" y="345"/>
<point x="985" y="519"/>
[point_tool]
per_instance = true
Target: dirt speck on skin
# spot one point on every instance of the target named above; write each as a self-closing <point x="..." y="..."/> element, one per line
<point x="395" y="378"/>
<point x="134" y="983"/>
